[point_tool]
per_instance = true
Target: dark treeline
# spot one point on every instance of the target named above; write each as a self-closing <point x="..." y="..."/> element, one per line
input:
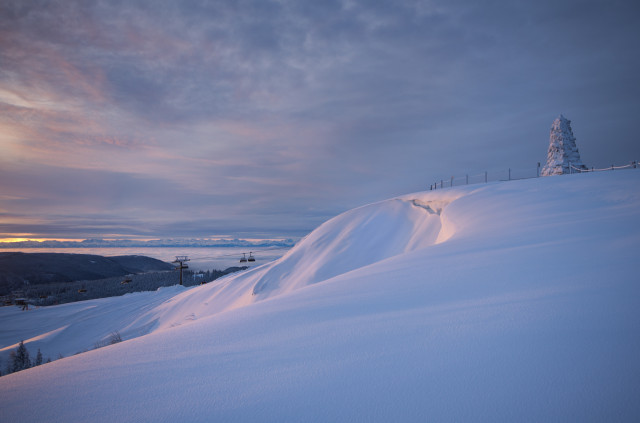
<point x="18" y="269"/>
<point x="67" y="292"/>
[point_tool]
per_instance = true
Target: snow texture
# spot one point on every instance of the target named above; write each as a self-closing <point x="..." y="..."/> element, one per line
<point x="563" y="151"/>
<point x="514" y="301"/>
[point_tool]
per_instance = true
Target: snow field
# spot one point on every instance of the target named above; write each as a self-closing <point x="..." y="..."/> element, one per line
<point x="518" y="302"/>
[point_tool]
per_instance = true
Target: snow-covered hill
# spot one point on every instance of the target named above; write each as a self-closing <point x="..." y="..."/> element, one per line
<point x="499" y="302"/>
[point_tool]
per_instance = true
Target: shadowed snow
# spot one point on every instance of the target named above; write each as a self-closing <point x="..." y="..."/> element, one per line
<point x="497" y="302"/>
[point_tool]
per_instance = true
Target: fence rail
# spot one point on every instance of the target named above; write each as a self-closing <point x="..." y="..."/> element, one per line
<point x="513" y="175"/>
<point x="632" y="165"/>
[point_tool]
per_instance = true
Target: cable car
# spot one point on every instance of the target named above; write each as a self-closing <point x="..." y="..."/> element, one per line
<point x="251" y="257"/>
<point x="244" y="258"/>
<point x="126" y="281"/>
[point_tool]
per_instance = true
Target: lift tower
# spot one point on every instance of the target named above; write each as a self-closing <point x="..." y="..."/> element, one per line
<point x="180" y="260"/>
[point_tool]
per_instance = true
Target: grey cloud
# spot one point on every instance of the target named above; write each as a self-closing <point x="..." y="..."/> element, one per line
<point x="308" y="108"/>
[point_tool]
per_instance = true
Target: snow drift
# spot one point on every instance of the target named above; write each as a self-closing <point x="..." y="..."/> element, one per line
<point x="499" y="302"/>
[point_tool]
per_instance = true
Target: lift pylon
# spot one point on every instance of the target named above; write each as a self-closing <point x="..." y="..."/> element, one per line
<point x="180" y="260"/>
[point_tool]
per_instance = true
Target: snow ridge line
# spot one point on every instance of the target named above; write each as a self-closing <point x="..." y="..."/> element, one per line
<point x="513" y="174"/>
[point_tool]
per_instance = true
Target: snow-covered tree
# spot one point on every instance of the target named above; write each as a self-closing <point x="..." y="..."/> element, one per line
<point x="19" y="359"/>
<point x="563" y="151"/>
<point x="38" y="358"/>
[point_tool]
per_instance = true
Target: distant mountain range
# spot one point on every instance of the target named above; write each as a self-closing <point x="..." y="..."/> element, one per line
<point x="18" y="269"/>
<point x="119" y="243"/>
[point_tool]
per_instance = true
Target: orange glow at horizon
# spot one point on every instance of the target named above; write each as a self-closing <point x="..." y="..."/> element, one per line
<point x="5" y="240"/>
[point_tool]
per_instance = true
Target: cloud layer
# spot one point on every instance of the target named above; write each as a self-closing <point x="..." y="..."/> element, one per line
<point x="264" y="118"/>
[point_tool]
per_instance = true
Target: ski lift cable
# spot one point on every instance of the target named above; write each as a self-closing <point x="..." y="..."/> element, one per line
<point x="253" y="250"/>
<point x="235" y="254"/>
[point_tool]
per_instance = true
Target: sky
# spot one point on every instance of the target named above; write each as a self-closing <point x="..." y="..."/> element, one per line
<point x="262" y="119"/>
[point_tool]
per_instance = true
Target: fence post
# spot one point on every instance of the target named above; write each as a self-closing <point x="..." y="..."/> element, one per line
<point x="509" y="173"/>
<point x="570" y="170"/>
<point x="441" y="183"/>
<point x="538" y="170"/>
<point x="467" y="179"/>
<point x="452" y="181"/>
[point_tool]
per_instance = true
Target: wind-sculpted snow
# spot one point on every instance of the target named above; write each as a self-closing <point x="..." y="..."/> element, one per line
<point x="350" y="241"/>
<point x="502" y="302"/>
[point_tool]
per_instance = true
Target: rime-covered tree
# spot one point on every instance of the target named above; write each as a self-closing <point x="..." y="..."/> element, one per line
<point x="563" y="151"/>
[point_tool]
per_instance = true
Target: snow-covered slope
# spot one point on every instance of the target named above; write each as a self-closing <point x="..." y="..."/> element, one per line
<point x="500" y="302"/>
<point x="71" y="328"/>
